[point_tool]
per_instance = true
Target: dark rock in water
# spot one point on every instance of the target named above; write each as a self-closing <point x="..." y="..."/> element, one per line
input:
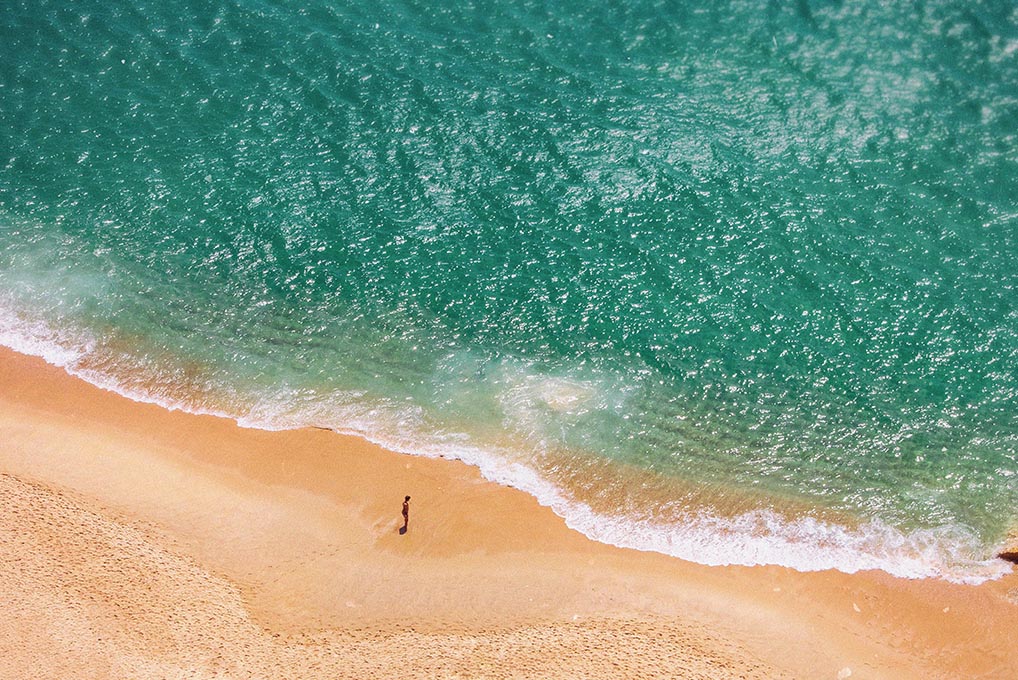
<point x="1010" y="551"/>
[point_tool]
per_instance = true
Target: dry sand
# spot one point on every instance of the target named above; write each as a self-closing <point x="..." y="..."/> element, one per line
<point x="141" y="543"/>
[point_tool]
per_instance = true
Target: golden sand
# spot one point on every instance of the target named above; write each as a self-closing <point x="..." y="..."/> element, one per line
<point x="141" y="543"/>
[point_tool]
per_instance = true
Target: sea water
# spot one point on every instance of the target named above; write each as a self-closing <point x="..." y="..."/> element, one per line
<point x="735" y="282"/>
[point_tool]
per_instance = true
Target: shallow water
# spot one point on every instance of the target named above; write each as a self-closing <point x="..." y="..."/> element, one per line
<point x="734" y="284"/>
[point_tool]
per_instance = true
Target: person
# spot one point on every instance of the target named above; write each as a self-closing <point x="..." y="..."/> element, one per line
<point x="406" y="514"/>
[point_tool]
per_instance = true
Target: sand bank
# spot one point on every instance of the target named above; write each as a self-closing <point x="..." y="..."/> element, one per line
<point x="138" y="542"/>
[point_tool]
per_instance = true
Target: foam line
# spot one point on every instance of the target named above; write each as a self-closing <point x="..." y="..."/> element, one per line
<point x="755" y="538"/>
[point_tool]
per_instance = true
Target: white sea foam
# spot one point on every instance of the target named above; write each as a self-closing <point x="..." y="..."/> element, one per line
<point x="69" y="350"/>
<point x="38" y="339"/>
<point x="754" y="538"/>
<point x="805" y="544"/>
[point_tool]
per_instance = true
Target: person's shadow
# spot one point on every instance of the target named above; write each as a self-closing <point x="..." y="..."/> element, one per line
<point x="402" y="530"/>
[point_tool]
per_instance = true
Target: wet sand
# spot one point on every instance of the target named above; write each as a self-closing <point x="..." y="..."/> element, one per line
<point x="139" y="542"/>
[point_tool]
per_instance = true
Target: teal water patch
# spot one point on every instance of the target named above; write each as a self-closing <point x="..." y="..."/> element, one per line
<point x="757" y="259"/>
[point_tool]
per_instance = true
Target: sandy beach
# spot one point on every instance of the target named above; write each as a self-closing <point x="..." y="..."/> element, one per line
<point x="136" y="542"/>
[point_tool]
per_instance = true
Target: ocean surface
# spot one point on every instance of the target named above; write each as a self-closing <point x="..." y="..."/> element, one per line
<point x="735" y="282"/>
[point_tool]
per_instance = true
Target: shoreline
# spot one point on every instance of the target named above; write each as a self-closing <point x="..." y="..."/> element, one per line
<point x="145" y="542"/>
<point x="793" y="527"/>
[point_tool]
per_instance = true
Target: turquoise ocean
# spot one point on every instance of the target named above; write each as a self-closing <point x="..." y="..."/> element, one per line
<point x="735" y="282"/>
